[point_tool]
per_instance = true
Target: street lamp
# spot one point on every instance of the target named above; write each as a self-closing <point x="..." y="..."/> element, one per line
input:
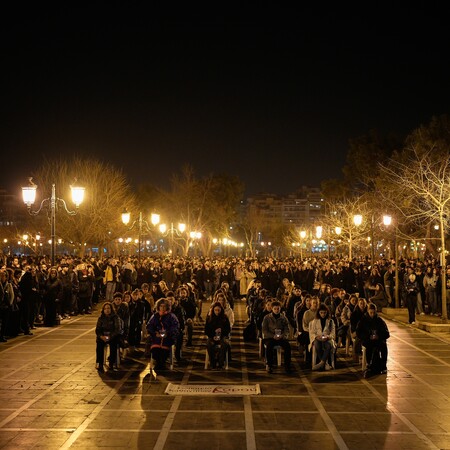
<point x="172" y="230"/>
<point x="29" y="197"/>
<point x="357" y="220"/>
<point x="387" y="221"/>
<point x="126" y="217"/>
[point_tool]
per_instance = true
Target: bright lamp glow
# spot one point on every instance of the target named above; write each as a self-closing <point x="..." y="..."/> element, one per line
<point x="77" y="195"/>
<point x="387" y="220"/>
<point x="357" y="219"/>
<point x="338" y="230"/>
<point x="163" y="228"/>
<point x="29" y="195"/>
<point x="126" y="217"/>
<point x="303" y="234"/>
<point x="319" y="231"/>
<point x="155" y="218"/>
<point x="182" y="227"/>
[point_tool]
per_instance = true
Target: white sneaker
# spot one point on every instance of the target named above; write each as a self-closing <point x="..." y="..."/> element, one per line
<point x="413" y="323"/>
<point x="328" y="367"/>
<point x="422" y="313"/>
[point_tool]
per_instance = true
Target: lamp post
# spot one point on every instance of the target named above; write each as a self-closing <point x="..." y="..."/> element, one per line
<point x="172" y="231"/>
<point x="126" y="217"/>
<point x="357" y="220"/>
<point x="387" y="221"/>
<point x="29" y="197"/>
<point x="302" y="237"/>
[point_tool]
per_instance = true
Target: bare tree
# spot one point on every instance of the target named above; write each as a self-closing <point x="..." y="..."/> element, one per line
<point x="419" y="190"/>
<point x="339" y="218"/>
<point x="205" y="205"/>
<point x="97" y="222"/>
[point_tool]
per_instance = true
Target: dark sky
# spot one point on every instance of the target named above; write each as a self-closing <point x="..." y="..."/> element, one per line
<point x="270" y="95"/>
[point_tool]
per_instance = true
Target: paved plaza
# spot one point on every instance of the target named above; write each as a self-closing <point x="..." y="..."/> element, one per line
<point x="53" y="398"/>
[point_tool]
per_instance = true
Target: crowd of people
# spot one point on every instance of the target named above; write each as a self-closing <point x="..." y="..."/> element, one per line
<point x="320" y="301"/>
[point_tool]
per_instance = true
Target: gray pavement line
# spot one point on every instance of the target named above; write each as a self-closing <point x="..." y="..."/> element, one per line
<point x="45" y="392"/>
<point x="82" y="427"/>
<point x="45" y="355"/>
<point x="165" y="429"/>
<point x="422" y="351"/>
<point x="168" y="422"/>
<point x="444" y="339"/>
<point x="324" y="414"/>
<point x="248" y="413"/>
<point x="417" y="377"/>
<point x="395" y="411"/>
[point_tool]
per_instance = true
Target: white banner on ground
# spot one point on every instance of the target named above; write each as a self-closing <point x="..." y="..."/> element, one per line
<point x="212" y="389"/>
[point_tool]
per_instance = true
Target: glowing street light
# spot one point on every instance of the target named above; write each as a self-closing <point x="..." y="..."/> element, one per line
<point x="172" y="231"/>
<point x="357" y="219"/>
<point x="319" y="231"/>
<point x="29" y="198"/>
<point x="126" y="217"/>
<point x="387" y="220"/>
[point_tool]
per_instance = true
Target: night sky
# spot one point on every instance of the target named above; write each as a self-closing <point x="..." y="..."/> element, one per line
<point x="270" y="95"/>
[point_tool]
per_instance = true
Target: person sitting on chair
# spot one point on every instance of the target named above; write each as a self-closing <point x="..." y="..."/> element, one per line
<point x="217" y="328"/>
<point x="373" y="333"/>
<point x="108" y="332"/>
<point x="322" y="334"/>
<point x="275" y="332"/>
<point x="163" y="328"/>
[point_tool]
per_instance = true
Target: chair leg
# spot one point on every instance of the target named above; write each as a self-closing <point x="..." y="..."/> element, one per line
<point x="206" y="359"/>
<point x="172" y="356"/>
<point x="279" y="356"/>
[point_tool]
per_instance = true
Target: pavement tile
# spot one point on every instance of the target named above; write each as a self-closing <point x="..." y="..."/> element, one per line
<point x="128" y="420"/>
<point x="206" y="441"/>
<point x="261" y="403"/>
<point x="295" y="441"/>
<point x="211" y="404"/>
<point x="367" y="441"/>
<point x="208" y="420"/>
<point x="288" y="422"/>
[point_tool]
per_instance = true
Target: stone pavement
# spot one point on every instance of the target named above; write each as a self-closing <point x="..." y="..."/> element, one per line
<point x="53" y="398"/>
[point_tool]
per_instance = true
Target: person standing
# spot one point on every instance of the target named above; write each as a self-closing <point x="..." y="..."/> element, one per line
<point x="412" y="290"/>
<point x="111" y="278"/>
<point x="52" y="295"/>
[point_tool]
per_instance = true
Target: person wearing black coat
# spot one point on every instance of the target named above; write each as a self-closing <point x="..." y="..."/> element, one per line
<point x="137" y="313"/>
<point x="108" y="333"/>
<point x="373" y="333"/>
<point x="217" y="328"/>
<point x="412" y="290"/>
<point x="190" y="309"/>
<point x="357" y="314"/>
<point x="180" y="314"/>
<point x="53" y="292"/>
